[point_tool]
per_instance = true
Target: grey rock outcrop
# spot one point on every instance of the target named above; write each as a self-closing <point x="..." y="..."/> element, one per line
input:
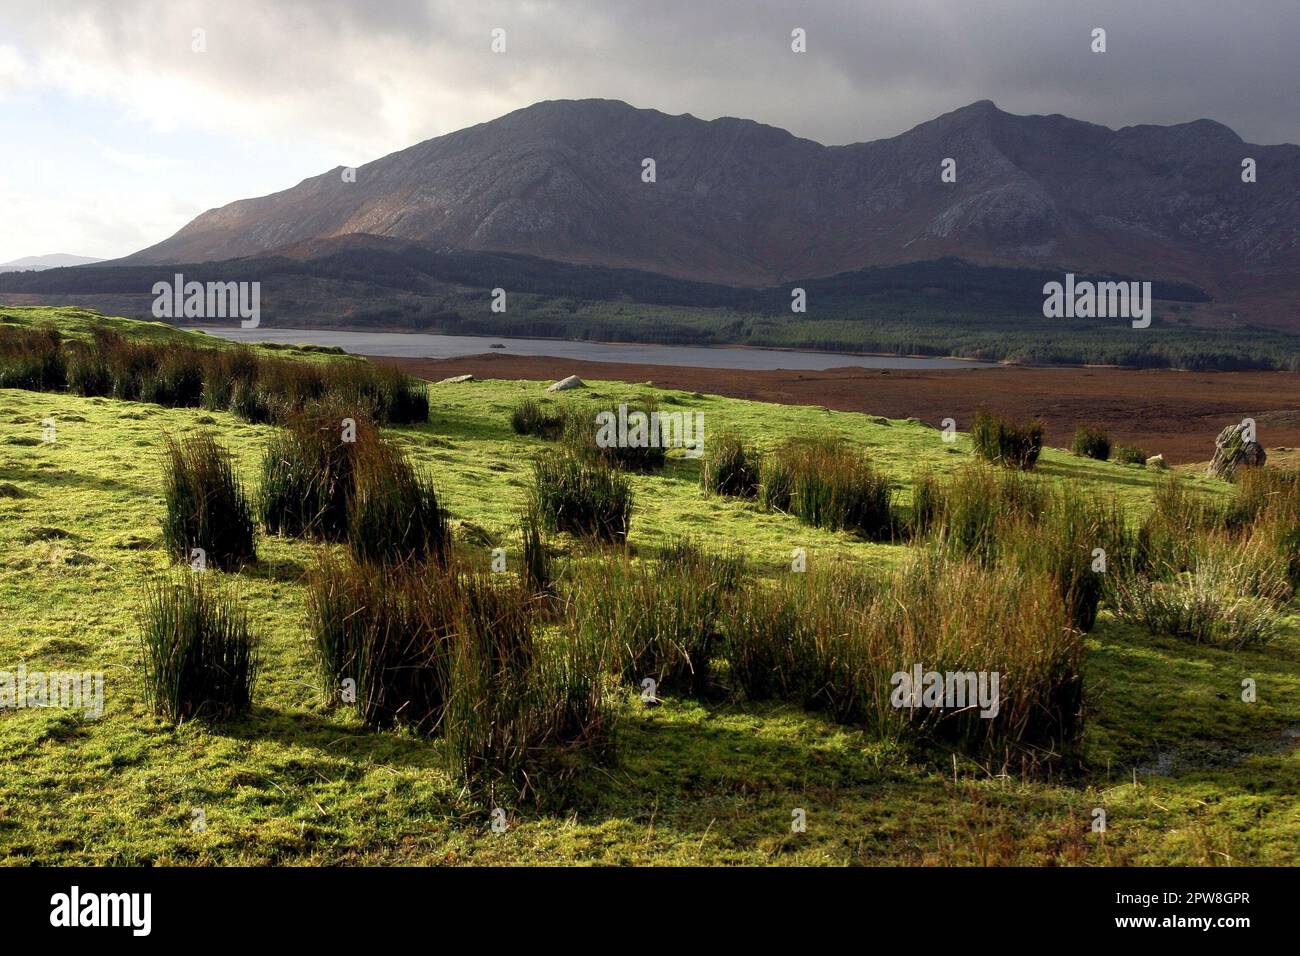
<point x="1232" y="450"/>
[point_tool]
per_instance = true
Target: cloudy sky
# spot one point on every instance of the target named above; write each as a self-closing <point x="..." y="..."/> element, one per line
<point x="116" y="131"/>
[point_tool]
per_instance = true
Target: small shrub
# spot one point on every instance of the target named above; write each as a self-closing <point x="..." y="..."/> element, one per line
<point x="200" y="659"/>
<point x="205" y="505"/>
<point x="1091" y="443"/>
<point x="1129" y="455"/>
<point x="582" y="497"/>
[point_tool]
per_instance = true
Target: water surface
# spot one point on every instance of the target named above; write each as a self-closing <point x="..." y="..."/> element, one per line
<point x="427" y="345"/>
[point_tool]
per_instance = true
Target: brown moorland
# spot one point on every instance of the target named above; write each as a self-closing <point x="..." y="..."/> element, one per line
<point x="1173" y="413"/>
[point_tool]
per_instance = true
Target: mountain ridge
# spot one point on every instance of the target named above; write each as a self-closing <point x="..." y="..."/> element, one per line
<point x="740" y="202"/>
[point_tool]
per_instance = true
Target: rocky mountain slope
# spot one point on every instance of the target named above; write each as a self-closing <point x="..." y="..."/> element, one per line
<point x="738" y="202"/>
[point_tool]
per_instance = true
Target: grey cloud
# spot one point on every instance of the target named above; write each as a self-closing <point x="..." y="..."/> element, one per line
<point x="383" y="74"/>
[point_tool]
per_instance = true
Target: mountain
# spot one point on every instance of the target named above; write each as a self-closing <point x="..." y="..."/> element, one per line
<point x="741" y="203"/>
<point x="56" y="260"/>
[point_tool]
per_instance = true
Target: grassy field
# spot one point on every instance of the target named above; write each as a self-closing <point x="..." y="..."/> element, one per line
<point x="1187" y="773"/>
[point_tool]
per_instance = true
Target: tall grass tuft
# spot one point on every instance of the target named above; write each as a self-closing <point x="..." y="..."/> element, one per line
<point x="88" y="373"/>
<point x="728" y="569"/>
<point x="1226" y="598"/>
<point x="639" y="449"/>
<point x="730" y="467"/>
<point x="582" y="497"/>
<point x="827" y="484"/>
<point x="205" y="504"/>
<point x="833" y="641"/>
<point x="307" y="475"/>
<point x="538" y="568"/>
<point x="33" y="359"/>
<point x="996" y="517"/>
<point x="393" y="512"/>
<point x="1006" y="442"/>
<point x="387" y="630"/>
<point x="455" y="653"/>
<point x="200" y="659"/>
<point x="531" y="417"/>
<point x="965" y="513"/>
<point x="659" y="621"/>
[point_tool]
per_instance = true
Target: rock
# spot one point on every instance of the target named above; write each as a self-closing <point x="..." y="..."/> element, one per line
<point x="1232" y="451"/>
<point x="456" y="380"/>
<point x="564" y="384"/>
<point x="1157" y="461"/>
<point x="878" y="420"/>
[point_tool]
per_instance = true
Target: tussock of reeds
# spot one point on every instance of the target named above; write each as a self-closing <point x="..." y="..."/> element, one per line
<point x="730" y="467"/>
<point x="1006" y="442"/>
<point x="659" y="620"/>
<point x="582" y="497"/>
<point x="257" y="388"/>
<point x="828" y="484"/>
<point x="205" y="505"/>
<point x="200" y="659"/>
<point x="393" y="512"/>
<point x="307" y="475"/>
<point x="456" y="654"/>
<point x="542" y="419"/>
<point x="833" y="641"/>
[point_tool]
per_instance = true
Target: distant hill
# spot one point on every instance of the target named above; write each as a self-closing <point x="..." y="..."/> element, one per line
<point x="53" y="261"/>
<point x="739" y="203"/>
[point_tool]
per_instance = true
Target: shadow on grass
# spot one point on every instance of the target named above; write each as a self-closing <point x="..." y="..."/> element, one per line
<point x="1141" y="479"/>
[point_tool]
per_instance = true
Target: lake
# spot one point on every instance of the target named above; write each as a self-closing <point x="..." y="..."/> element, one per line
<point x="426" y="345"/>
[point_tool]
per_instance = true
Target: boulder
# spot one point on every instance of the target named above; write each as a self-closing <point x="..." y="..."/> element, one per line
<point x="456" y="380"/>
<point x="1157" y="461"/>
<point x="564" y="384"/>
<point x="1233" y="451"/>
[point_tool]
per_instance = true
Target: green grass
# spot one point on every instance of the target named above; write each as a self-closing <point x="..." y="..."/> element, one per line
<point x="1187" y="772"/>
